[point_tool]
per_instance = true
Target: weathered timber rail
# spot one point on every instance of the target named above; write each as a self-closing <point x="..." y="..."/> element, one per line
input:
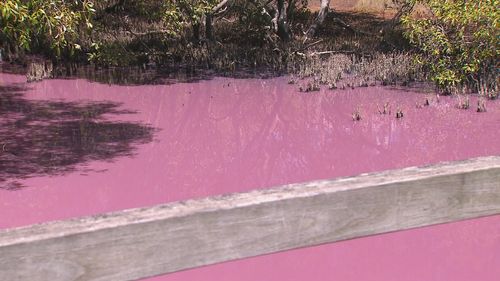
<point x="138" y="243"/>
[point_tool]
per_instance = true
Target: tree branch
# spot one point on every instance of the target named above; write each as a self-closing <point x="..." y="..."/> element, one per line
<point x="323" y="12"/>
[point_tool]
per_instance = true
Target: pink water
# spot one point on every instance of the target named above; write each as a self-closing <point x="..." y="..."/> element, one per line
<point x="143" y="145"/>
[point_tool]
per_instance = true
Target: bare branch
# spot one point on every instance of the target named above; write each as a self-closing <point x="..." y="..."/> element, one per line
<point x="323" y="12"/>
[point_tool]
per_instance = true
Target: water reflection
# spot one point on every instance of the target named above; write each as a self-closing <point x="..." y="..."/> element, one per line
<point x="138" y="76"/>
<point x="39" y="137"/>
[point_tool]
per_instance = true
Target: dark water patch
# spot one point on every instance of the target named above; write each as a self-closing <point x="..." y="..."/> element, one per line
<point x="145" y="75"/>
<point x="12" y="68"/>
<point x="46" y="138"/>
<point x="136" y="76"/>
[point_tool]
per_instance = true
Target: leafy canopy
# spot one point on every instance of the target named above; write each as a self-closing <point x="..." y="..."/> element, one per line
<point x="459" y="39"/>
<point x="45" y="25"/>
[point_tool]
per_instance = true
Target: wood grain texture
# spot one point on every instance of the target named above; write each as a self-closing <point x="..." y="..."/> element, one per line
<point x="144" y="242"/>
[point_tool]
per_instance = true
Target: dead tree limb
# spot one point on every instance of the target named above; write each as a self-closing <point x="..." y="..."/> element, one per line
<point x="405" y="7"/>
<point x="209" y="18"/>
<point x="222" y="4"/>
<point x="323" y="12"/>
<point x="343" y="24"/>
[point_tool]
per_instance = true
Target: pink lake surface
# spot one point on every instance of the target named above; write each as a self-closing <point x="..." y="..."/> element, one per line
<point x="138" y="146"/>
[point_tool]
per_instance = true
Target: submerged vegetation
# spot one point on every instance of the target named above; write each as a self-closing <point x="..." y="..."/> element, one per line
<point x="454" y="43"/>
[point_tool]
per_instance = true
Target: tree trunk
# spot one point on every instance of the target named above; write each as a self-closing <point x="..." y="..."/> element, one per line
<point x="209" y="31"/>
<point x="196" y="32"/>
<point x="282" y="21"/>
<point x="323" y="12"/>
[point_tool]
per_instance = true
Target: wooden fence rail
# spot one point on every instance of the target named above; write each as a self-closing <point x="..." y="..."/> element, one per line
<point x="138" y="243"/>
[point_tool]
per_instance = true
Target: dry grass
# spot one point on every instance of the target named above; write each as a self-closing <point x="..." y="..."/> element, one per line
<point x="341" y="71"/>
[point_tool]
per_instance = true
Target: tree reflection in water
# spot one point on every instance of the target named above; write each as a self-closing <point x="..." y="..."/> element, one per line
<point x="41" y="138"/>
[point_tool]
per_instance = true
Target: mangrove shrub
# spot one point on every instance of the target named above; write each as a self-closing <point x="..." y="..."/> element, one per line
<point x="458" y="40"/>
<point x="53" y="28"/>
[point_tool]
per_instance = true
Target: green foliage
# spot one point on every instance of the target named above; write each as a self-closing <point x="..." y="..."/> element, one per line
<point x="180" y="13"/>
<point x="459" y="40"/>
<point x="45" y="26"/>
<point x="255" y="16"/>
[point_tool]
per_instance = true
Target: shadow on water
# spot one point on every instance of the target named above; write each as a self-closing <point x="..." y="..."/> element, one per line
<point x="45" y="138"/>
